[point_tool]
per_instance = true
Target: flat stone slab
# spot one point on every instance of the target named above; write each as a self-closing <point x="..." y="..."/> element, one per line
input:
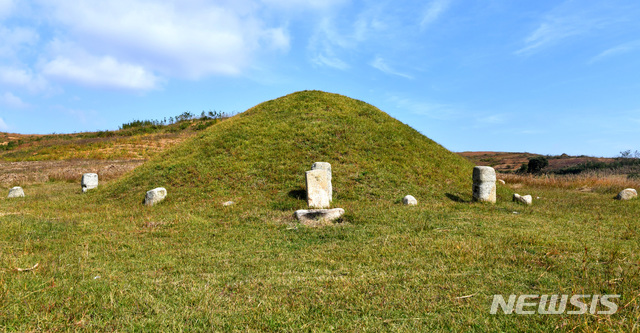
<point x="524" y="199"/>
<point x="318" y="188"/>
<point x="155" y="196"/>
<point x="316" y="217"/>
<point x="89" y="181"/>
<point x="409" y="200"/>
<point x="228" y="203"/>
<point x="627" y="194"/>
<point x="16" y="192"/>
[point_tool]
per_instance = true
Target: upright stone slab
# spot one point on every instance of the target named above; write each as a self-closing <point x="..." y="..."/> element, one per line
<point x="325" y="166"/>
<point x="484" y="184"/>
<point x="16" y="192"/>
<point x="89" y="181"/>
<point x="154" y="196"/>
<point x="318" y="187"/>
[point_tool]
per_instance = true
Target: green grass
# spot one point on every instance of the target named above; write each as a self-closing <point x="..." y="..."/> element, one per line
<point x="105" y="266"/>
<point x="108" y="263"/>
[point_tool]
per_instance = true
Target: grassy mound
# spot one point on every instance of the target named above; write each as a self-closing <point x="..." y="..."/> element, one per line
<point x="261" y="156"/>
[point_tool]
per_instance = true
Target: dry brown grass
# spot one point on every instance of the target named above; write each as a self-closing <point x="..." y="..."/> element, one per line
<point x="31" y="172"/>
<point x="585" y="182"/>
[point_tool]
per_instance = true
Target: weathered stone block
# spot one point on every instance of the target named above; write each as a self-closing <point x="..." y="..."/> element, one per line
<point x="318" y="188"/>
<point x="324" y="166"/>
<point x="484" y="184"/>
<point x="409" y="200"/>
<point x="89" y="181"/>
<point x="16" y="192"/>
<point x="484" y="174"/>
<point x="524" y="199"/>
<point x="627" y="194"/>
<point x="155" y="196"/>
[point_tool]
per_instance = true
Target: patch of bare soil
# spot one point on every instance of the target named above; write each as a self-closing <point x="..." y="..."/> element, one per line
<point x="31" y="172"/>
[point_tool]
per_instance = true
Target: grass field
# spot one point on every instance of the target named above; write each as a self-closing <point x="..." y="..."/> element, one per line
<point x="103" y="266"/>
<point x="105" y="262"/>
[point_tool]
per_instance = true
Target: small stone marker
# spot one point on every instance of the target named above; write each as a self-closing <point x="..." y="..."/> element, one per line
<point x="89" y="181"/>
<point x="16" y="192"/>
<point x="314" y="217"/>
<point x="154" y="196"/>
<point x="318" y="188"/>
<point x="325" y="166"/>
<point x="409" y="200"/>
<point x="501" y="181"/>
<point x="484" y="184"/>
<point x="228" y="203"/>
<point x="627" y="194"/>
<point x="525" y="199"/>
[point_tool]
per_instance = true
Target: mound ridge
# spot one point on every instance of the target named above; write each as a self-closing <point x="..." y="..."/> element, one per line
<point x="261" y="156"/>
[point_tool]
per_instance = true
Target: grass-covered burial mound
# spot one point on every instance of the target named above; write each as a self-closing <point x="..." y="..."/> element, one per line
<point x="261" y="155"/>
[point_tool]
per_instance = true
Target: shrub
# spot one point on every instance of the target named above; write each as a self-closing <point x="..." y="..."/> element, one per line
<point x="523" y="168"/>
<point x="536" y="164"/>
<point x="10" y="145"/>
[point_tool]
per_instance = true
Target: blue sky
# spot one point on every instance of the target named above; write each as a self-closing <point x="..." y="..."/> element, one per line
<point x="540" y="76"/>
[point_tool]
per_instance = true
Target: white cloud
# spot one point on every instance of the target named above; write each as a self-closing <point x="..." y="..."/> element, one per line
<point x="432" y="110"/>
<point x="188" y="39"/>
<point x="6" y="6"/>
<point x="102" y="71"/>
<point x="13" y="101"/>
<point x="278" y="37"/>
<point x="329" y="43"/>
<point x="493" y="119"/>
<point x="3" y="126"/>
<point x="550" y="32"/>
<point x="16" y="38"/>
<point x="379" y="64"/>
<point x="619" y="49"/>
<point x="566" y="21"/>
<point x="330" y="61"/>
<point x="305" y="4"/>
<point x="433" y="11"/>
<point x="22" y="78"/>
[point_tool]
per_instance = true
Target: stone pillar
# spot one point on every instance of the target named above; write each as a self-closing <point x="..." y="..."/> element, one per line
<point x="484" y="184"/>
<point x="318" y="188"/>
<point x="89" y="181"/>
<point x="325" y="166"/>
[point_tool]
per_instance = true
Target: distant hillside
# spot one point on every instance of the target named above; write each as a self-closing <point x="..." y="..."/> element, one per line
<point x="560" y="164"/>
<point x="135" y="140"/>
<point x="262" y="155"/>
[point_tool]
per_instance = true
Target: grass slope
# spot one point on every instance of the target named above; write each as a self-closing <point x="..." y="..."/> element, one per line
<point x="262" y="154"/>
